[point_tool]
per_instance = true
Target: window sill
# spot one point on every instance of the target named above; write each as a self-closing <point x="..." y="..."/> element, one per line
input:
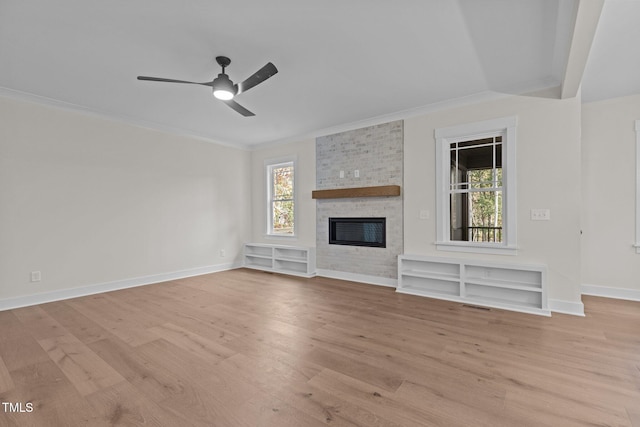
<point x="477" y="248"/>
<point x="281" y="237"/>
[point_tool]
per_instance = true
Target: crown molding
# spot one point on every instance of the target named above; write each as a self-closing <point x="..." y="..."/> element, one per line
<point x="108" y="115"/>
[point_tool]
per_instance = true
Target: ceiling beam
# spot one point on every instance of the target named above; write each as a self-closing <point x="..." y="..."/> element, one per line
<point x="584" y="29"/>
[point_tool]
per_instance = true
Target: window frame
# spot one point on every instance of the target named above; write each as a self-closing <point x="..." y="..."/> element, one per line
<point x="269" y="166"/>
<point x="506" y="127"/>
<point x="637" y="241"/>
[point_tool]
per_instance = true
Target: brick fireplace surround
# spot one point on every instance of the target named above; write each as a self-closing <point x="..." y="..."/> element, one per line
<point x="376" y="152"/>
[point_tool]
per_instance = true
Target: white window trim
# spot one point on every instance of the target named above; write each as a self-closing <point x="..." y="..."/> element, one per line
<point x="478" y="130"/>
<point x="637" y="244"/>
<point x="268" y="164"/>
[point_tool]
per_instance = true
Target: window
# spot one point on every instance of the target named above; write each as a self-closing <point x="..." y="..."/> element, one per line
<point x="476" y="187"/>
<point x="281" y="198"/>
<point x="475" y="190"/>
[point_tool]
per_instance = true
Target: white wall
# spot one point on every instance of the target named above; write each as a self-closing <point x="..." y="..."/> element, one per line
<point x="305" y="151"/>
<point x="87" y="201"/>
<point x="609" y="193"/>
<point x="548" y="172"/>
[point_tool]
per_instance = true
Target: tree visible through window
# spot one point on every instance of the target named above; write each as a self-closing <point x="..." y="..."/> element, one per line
<point x="281" y="199"/>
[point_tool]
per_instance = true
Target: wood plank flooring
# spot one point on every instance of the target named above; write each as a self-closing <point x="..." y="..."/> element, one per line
<point x="246" y="348"/>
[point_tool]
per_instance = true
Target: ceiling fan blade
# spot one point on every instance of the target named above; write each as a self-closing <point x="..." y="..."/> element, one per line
<point x="159" y="79"/>
<point x="239" y="108"/>
<point x="258" y="77"/>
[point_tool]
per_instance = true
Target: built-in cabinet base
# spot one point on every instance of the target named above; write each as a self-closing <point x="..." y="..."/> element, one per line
<point x="295" y="260"/>
<point x="507" y="286"/>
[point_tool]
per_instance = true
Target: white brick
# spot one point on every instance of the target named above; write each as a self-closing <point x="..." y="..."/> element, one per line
<point x="377" y="152"/>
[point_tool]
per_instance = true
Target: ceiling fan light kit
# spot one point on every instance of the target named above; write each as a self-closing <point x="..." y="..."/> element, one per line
<point x="223" y="87"/>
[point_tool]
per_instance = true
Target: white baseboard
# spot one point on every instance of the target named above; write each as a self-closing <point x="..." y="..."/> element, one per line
<point x="355" y="277"/>
<point x="24" y="301"/>
<point x="607" y="292"/>
<point x="558" y="306"/>
<point x="566" y="307"/>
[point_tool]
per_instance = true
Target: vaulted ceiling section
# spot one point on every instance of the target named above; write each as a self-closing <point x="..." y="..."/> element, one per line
<point x="339" y="62"/>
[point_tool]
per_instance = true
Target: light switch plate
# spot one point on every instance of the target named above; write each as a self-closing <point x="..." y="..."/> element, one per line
<point x="540" y="214"/>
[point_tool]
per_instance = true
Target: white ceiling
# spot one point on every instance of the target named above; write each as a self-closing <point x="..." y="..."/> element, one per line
<point x="340" y="62"/>
<point x="613" y="68"/>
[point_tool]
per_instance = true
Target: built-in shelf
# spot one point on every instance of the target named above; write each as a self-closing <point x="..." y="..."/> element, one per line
<point x="341" y="193"/>
<point x="507" y="286"/>
<point x="295" y="260"/>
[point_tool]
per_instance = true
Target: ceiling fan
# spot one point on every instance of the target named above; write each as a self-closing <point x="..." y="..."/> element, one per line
<point x="223" y="87"/>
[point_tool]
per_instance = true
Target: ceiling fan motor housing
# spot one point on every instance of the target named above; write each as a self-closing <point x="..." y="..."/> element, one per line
<point x="223" y="87"/>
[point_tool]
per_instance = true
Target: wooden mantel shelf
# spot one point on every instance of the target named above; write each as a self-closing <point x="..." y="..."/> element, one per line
<point x="341" y="193"/>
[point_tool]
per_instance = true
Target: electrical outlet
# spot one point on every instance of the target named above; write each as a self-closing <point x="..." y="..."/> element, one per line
<point x="36" y="276"/>
<point x="540" y="214"/>
<point x="341" y="174"/>
<point x="356" y="173"/>
<point x="223" y="253"/>
<point x="424" y="214"/>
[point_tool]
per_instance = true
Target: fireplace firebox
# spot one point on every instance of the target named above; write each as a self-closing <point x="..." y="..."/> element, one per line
<point x="358" y="232"/>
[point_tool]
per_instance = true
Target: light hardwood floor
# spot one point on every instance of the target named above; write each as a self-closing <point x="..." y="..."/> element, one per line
<point x="246" y="348"/>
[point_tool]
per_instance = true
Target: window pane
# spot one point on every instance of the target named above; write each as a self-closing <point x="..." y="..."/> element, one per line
<point x="476" y="157"/>
<point x="458" y="207"/>
<point x="476" y="216"/>
<point x="282" y="212"/>
<point x="485" y="178"/>
<point x="485" y="210"/>
<point x="458" y="179"/>
<point x="283" y="183"/>
<point x="475" y="142"/>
